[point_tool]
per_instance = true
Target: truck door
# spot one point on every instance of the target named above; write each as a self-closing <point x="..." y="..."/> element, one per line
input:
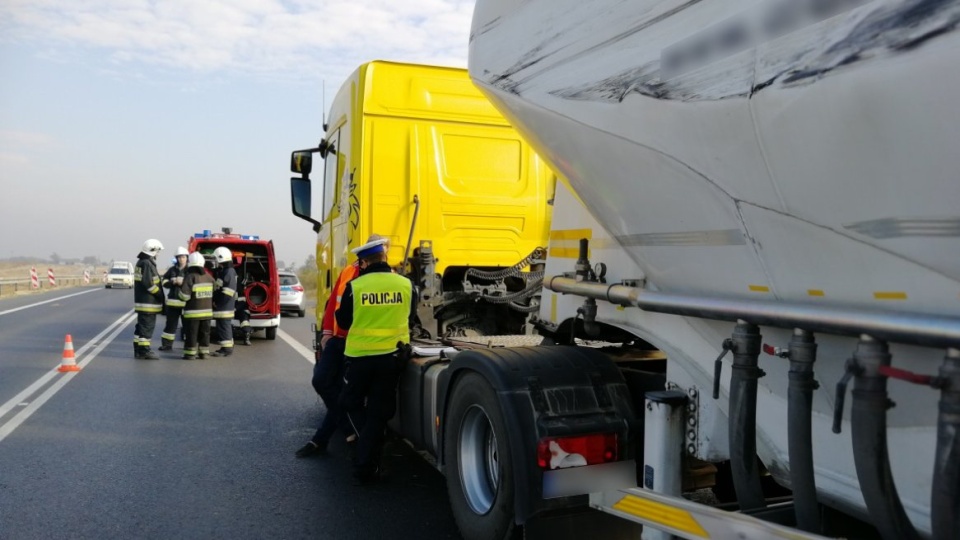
<point x="332" y="241"/>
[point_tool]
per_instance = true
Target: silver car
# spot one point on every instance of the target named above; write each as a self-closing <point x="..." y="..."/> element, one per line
<point x="291" y="294"/>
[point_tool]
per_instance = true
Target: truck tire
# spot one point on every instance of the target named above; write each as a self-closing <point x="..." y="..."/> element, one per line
<point x="478" y="462"/>
<point x="271" y="332"/>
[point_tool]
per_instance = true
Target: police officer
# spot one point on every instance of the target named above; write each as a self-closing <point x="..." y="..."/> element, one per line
<point x="376" y="309"/>
<point x="147" y="299"/>
<point x="328" y="369"/>
<point x="196" y="292"/>
<point x="172" y="279"/>
<point x="224" y="300"/>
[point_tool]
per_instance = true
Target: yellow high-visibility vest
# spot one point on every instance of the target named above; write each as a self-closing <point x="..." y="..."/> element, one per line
<point x="381" y="310"/>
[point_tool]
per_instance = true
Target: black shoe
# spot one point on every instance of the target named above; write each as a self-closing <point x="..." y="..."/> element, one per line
<point x="352" y="450"/>
<point x="367" y="476"/>
<point x="189" y="357"/>
<point x="202" y="356"/>
<point x="149" y="355"/>
<point x="222" y="352"/>
<point x="312" y="449"/>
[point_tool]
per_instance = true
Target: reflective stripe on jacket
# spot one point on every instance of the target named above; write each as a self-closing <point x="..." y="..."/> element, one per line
<point x="173" y="296"/>
<point x="147" y="297"/>
<point x="225" y="293"/>
<point x="197" y="294"/>
<point x="381" y="311"/>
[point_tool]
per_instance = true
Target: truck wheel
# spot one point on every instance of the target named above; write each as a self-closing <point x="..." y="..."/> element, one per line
<point x="302" y="313"/>
<point x="271" y="332"/>
<point x="477" y="455"/>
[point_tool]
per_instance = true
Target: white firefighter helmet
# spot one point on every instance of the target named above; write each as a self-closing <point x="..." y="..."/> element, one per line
<point x="222" y="255"/>
<point x="195" y="259"/>
<point x="182" y="251"/>
<point x="151" y="247"/>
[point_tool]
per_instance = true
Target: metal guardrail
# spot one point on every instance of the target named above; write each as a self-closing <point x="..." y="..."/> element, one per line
<point x="15" y="286"/>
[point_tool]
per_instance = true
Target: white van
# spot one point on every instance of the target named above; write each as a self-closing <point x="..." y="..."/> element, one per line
<point x="120" y="275"/>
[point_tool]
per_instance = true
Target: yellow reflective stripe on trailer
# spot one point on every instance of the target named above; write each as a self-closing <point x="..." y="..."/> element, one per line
<point x="687" y="519"/>
<point x="673" y="518"/>
<point x="565" y="243"/>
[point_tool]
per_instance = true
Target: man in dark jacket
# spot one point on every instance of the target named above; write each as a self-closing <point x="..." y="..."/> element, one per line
<point x="147" y="299"/>
<point x="376" y="310"/>
<point x="196" y="292"/>
<point x="172" y="279"/>
<point x="224" y="300"/>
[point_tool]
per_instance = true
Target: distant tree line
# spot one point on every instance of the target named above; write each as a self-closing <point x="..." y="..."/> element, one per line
<point x="89" y="260"/>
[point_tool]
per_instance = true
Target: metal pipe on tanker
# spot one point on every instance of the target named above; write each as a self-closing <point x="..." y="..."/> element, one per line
<point x="945" y="500"/>
<point x="898" y="327"/>
<point x="742" y="411"/>
<point x="868" y="424"/>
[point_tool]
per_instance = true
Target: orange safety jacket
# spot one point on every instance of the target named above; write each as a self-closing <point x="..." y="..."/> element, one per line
<point x="329" y="325"/>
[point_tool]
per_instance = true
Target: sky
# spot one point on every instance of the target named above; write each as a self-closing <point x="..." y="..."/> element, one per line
<point x="123" y="120"/>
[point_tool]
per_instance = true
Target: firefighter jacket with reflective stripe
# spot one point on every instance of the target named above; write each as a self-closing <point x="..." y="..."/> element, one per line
<point x="147" y="296"/>
<point x="381" y="302"/>
<point x="173" y="295"/>
<point x="225" y="293"/>
<point x="197" y="294"/>
<point x="329" y="326"/>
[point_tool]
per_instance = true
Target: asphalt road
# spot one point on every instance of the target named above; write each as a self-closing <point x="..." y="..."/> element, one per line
<point x="178" y="449"/>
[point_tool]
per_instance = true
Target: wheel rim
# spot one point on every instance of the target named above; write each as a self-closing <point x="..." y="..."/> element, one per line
<point x="479" y="460"/>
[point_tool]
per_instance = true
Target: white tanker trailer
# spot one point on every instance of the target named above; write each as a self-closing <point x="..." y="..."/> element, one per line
<point x="777" y="176"/>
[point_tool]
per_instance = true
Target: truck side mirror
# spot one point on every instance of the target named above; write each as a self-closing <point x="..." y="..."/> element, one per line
<point x="301" y="161"/>
<point x="300" y="194"/>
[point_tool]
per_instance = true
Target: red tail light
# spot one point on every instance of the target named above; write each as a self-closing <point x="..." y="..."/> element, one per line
<point x="563" y="452"/>
<point x="298" y="288"/>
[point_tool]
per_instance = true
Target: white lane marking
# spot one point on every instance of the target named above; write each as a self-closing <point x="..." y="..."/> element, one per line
<point x="47" y="301"/>
<point x="19" y="400"/>
<point x="29" y="391"/>
<point x="297" y="346"/>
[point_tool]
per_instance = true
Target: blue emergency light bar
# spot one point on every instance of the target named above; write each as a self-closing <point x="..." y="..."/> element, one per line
<point x="208" y="234"/>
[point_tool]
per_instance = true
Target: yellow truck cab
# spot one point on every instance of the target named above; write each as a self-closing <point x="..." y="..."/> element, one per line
<point x="416" y="154"/>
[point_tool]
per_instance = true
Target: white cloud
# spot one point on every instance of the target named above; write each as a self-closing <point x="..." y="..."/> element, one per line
<point x="269" y="37"/>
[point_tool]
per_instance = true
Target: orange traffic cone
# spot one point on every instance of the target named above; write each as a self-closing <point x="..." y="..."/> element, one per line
<point x="69" y="362"/>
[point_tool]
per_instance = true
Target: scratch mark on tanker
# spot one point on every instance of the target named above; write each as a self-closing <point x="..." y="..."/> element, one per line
<point x="872" y="36"/>
<point x="507" y="82"/>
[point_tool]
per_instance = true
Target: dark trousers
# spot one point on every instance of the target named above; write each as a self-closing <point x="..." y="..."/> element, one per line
<point x="197" y="333"/>
<point x="225" y="333"/>
<point x="374" y="379"/>
<point x="143" y="331"/>
<point x="328" y="382"/>
<point x="174" y="315"/>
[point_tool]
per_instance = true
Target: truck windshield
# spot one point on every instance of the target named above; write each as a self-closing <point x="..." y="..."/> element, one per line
<point x="119" y="271"/>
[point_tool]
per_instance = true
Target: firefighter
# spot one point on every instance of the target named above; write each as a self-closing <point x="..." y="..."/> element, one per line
<point x="172" y="279"/>
<point x="376" y="310"/>
<point x="224" y="300"/>
<point x="196" y="292"/>
<point x="147" y="299"/>
<point x="242" y="315"/>
<point x="328" y="369"/>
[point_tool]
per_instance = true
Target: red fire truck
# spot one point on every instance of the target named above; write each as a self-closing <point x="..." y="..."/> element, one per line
<point x="257" y="279"/>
